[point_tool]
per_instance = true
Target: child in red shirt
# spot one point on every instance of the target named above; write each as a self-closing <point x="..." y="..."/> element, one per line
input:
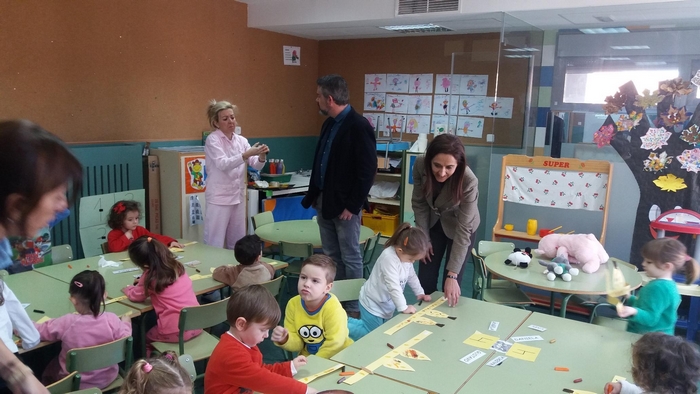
<point x="236" y="365"/>
<point x="124" y="221"/>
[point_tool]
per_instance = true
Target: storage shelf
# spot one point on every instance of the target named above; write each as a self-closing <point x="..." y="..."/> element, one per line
<point x="516" y="235"/>
<point x="385" y="201"/>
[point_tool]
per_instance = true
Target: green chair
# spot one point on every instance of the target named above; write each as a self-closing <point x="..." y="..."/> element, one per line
<point x="3" y="273"/>
<point x="93" y="390"/>
<point x="347" y="289"/>
<point x="187" y="363"/>
<point x="66" y="385"/>
<point x="275" y="286"/>
<point x="504" y="296"/>
<point x="105" y="247"/>
<point x="294" y="254"/>
<point x="261" y="219"/>
<point x="194" y="318"/>
<point x="102" y="356"/>
<point x="486" y="248"/>
<point x="61" y="254"/>
<point x="368" y="253"/>
<point x="610" y="322"/>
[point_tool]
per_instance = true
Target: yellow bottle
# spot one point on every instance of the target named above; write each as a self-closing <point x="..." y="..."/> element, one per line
<point x="531" y="226"/>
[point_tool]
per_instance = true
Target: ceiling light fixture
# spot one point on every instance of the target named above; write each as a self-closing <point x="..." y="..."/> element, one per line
<point x="627" y="47"/>
<point x="604" y="30"/>
<point x="420" y="28"/>
<point x="615" y="58"/>
<point x="526" y="49"/>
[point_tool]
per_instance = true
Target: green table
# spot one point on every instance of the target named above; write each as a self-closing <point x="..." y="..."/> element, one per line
<point x="592" y="353"/>
<point x="370" y="385"/>
<point x="300" y="231"/>
<point x="445" y="373"/>
<point x="583" y="283"/>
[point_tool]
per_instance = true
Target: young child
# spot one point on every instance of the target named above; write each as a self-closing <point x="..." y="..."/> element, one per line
<point x="314" y="321"/>
<point x="13" y="318"/>
<point x="124" y="221"/>
<point x="382" y="294"/>
<point x="236" y="365"/>
<point x="251" y="270"/>
<point x="662" y="364"/>
<point x="90" y="326"/>
<point x="655" y="308"/>
<point x="164" y="280"/>
<point x="161" y="375"/>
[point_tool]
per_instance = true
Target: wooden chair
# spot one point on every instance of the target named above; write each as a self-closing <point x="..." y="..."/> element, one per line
<point x="66" y="385"/>
<point x="505" y="296"/>
<point x="347" y="289"/>
<point x="368" y="253"/>
<point x="105" y="247"/>
<point x="275" y="286"/>
<point x="61" y="254"/>
<point x="194" y="318"/>
<point x="187" y="363"/>
<point x="294" y="254"/>
<point x="102" y="356"/>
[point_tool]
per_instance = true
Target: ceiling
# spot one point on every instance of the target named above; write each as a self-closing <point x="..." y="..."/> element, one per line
<point x="344" y="19"/>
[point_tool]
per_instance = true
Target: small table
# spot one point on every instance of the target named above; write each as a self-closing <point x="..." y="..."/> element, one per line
<point x="592" y="353"/>
<point x="591" y="284"/>
<point x="370" y="385"/>
<point x="300" y="231"/>
<point x="444" y="346"/>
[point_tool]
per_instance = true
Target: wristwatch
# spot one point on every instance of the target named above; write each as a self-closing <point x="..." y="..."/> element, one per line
<point x="452" y="276"/>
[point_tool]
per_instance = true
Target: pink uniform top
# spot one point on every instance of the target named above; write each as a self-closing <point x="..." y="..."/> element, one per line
<point x="75" y="331"/>
<point x="167" y="303"/>
<point x="226" y="169"/>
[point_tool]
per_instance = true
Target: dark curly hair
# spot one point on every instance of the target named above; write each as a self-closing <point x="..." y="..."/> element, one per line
<point x="665" y="364"/>
<point x="117" y="213"/>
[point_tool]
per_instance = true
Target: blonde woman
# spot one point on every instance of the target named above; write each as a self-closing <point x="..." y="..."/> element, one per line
<point x="227" y="156"/>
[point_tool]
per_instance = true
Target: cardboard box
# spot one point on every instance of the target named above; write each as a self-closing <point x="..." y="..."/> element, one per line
<point x="153" y="194"/>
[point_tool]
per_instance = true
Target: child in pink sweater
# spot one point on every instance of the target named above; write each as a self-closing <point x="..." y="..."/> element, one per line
<point x="89" y="327"/>
<point x="164" y="280"/>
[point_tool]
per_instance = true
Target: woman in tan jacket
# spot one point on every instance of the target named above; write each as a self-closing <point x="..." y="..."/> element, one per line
<point x="445" y="196"/>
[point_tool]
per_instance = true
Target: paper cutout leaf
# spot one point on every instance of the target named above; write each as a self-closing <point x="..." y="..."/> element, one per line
<point x="395" y="363"/>
<point x="604" y="134"/>
<point x="691" y="135"/>
<point x="656" y="163"/>
<point x="675" y="87"/>
<point x="670" y="183"/>
<point x="655" y="138"/>
<point x="690" y="160"/>
<point x="646" y="99"/>
<point x="674" y="116"/>
<point x="415" y="355"/>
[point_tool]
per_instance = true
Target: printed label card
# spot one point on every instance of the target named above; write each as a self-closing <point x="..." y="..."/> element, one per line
<point x="473" y="356"/>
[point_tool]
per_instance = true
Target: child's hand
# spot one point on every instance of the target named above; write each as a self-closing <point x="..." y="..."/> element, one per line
<point x="279" y="334"/>
<point x="129" y="235"/>
<point x="627" y="311"/>
<point x="299" y="362"/>
<point x="126" y="318"/>
<point x="612" y="388"/>
<point x="176" y="244"/>
<point x="424" y="297"/>
<point x="409" y="309"/>
<point x="311" y="390"/>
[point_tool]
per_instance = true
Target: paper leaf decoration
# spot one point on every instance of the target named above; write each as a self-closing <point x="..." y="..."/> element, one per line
<point x="696" y="79"/>
<point x="415" y="355"/>
<point x="626" y="123"/>
<point x="675" y="87"/>
<point x="670" y="183"/>
<point x="655" y="138"/>
<point x="691" y="135"/>
<point x="690" y="160"/>
<point x="395" y="363"/>
<point x="656" y="163"/>
<point x="614" y="103"/>
<point x="647" y="100"/>
<point x="604" y="134"/>
<point x="674" y="116"/>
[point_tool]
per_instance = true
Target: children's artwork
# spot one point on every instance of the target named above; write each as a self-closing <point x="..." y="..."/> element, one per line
<point x="375" y="83"/>
<point x="375" y="101"/>
<point x="473" y="84"/>
<point x="480" y="340"/>
<point x="291" y="55"/>
<point x="691" y="135"/>
<point x="376" y="120"/>
<point x="444" y="103"/>
<point x="472" y="105"/>
<point x="420" y="105"/>
<point x="395" y="363"/>
<point x="690" y="160"/>
<point x="394" y="123"/>
<point x="397" y="83"/>
<point x="446" y="83"/>
<point x="657" y="162"/>
<point x="415" y="355"/>
<point x="523" y="352"/>
<point x="396" y="103"/>
<point x="420" y="83"/>
<point x="670" y="183"/>
<point x="471" y="127"/>
<point x="442" y="122"/>
<point x="195" y="175"/>
<point x="655" y="138"/>
<point x="502" y="107"/>
<point x="418" y="124"/>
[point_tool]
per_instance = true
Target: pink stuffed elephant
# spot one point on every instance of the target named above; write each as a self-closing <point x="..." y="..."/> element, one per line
<point x="577" y="248"/>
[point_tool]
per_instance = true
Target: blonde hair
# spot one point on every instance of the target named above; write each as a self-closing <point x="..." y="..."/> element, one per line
<point x="156" y="376"/>
<point x="215" y="107"/>
<point x="669" y="250"/>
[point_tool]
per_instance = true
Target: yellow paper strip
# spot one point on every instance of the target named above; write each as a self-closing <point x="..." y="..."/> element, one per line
<point x="480" y="340"/>
<point x="115" y="299"/>
<point x="190" y="243"/>
<point x="523" y="352"/>
<point x="199" y="276"/>
<point x="313" y="377"/>
<point x="176" y="250"/>
<point x="402" y="324"/>
<point x="43" y="319"/>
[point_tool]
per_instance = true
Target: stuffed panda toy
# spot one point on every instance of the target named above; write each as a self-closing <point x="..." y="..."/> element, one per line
<point x="520" y="258"/>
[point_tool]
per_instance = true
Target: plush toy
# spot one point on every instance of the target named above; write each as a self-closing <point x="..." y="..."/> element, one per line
<point x="520" y="258"/>
<point x="559" y="266"/>
<point x="575" y="248"/>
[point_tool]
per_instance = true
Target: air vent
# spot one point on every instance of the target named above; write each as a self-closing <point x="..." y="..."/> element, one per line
<point x="422" y="28"/>
<point x="408" y="7"/>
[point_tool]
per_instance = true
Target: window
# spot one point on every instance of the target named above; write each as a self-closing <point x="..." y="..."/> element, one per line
<point x="591" y="87"/>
